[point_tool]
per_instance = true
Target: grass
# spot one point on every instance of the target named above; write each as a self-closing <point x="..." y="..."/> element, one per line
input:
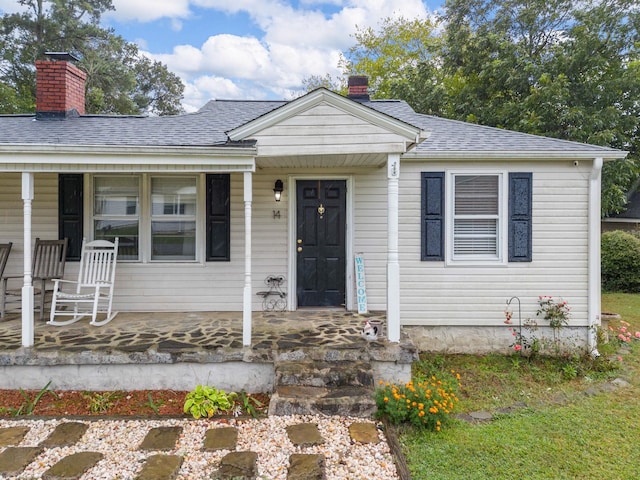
<point x="568" y="427"/>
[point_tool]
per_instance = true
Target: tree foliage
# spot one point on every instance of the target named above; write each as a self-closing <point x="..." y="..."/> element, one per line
<point x="119" y="78"/>
<point x="558" y="68"/>
<point x="388" y="54"/>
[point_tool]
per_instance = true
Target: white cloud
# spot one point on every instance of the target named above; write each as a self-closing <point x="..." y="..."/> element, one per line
<point x="206" y="88"/>
<point x="297" y="43"/>
<point x="148" y="10"/>
<point x="230" y="55"/>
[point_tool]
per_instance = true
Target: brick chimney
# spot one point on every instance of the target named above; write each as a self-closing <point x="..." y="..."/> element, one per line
<point x="59" y="87"/>
<point x="358" y="87"/>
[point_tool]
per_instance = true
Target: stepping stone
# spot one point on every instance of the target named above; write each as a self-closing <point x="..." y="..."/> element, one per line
<point x="306" y="467"/>
<point x="65" y="434"/>
<point x="73" y="466"/>
<point x="14" y="460"/>
<point x="12" y="435"/>
<point x="238" y="466"/>
<point x="161" y="438"/>
<point x="304" y="434"/>
<point x="161" y="467"/>
<point x="224" y="438"/>
<point x="364" y="432"/>
<point x="481" y="416"/>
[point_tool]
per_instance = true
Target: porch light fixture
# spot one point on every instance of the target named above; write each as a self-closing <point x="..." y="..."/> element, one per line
<point x="277" y="190"/>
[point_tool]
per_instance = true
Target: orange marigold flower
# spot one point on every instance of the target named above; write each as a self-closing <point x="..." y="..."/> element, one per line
<point x="386" y="399"/>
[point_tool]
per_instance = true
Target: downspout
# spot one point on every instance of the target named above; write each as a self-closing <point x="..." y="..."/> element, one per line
<point x="594" y="255"/>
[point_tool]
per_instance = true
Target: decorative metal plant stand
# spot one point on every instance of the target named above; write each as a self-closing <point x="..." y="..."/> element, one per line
<point x="274" y="299"/>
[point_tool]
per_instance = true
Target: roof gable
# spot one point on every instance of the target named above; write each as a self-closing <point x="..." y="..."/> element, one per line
<point x="320" y="102"/>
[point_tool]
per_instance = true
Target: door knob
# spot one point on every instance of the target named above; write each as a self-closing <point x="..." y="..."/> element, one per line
<point x="299" y="249"/>
<point x="299" y="241"/>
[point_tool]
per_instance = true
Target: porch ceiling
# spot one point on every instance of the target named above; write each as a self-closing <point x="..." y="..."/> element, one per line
<point x="324" y="161"/>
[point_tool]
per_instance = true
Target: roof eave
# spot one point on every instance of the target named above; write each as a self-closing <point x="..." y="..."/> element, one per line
<point x="608" y="155"/>
<point x="174" y="150"/>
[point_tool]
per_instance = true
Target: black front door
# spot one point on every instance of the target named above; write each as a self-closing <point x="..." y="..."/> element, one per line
<point x="321" y="218"/>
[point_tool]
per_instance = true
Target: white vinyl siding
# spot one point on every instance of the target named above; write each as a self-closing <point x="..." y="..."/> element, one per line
<point x="370" y="233"/>
<point x="432" y="293"/>
<point x="440" y="294"/>
<point x="325" y="129"/>
<point x="172" y="287"/>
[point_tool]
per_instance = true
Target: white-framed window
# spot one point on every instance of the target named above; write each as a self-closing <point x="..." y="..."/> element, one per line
<point x="116" y="212"/>
<point x="476" y="217"/>
<point x="173" y="218"/>
<point x="154" y="216"/>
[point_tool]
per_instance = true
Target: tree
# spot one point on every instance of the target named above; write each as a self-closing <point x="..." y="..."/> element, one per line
<point x="557" y="68"/>
<point x="119" y="78"/>
<point x="316" y="81"/>
<point x="389" y="54"/>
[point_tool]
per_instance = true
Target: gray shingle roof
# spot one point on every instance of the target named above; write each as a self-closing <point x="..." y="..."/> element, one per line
<point x="455" y="136"/>
<point x="208" y="127"/>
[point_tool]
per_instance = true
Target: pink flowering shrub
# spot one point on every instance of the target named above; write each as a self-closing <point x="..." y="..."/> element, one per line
<point x="556" y="312"/>
<point x="623" y="334"/>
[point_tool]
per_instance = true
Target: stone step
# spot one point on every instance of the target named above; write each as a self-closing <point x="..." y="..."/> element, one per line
<point x="324" y="374"/>
<point x="355" y="401"/>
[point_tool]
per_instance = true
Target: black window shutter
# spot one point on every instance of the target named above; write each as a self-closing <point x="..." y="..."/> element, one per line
<point x="520" y="205"/>
<point x="218" y="218"/>
<point x="70" y="212"/>
<point x="432" y="216"/>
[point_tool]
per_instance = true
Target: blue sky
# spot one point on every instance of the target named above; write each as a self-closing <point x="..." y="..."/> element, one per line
<point x="249" y="49"/>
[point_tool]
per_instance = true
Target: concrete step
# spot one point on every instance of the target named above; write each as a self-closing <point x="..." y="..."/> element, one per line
<point x="349" y="400"/>
<point x="324" y="374"/>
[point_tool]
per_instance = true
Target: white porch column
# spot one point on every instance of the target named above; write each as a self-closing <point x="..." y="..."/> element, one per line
<point x="594" y="254"/>
<point x="246" y="299"/>
<point x="393" y="264"/>
<point x="28" y="329"/>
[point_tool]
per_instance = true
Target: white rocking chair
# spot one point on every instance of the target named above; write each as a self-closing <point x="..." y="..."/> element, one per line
<point x="94" y="289"/>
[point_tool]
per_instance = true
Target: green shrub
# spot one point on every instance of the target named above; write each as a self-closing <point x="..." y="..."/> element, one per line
<point x="206" y="401"/>
<point x="620" y="262"/>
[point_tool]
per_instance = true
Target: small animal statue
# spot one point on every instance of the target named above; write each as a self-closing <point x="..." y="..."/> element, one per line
<point x="369" y="332"/>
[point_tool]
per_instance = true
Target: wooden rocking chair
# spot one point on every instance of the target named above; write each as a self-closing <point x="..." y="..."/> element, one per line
<point x="5" y="249"/>
<point x="93" y="292"/>
<point x="48" y="263"/>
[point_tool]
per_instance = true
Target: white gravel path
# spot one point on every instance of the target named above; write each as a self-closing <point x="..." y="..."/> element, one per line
<point x="118" y="440"/>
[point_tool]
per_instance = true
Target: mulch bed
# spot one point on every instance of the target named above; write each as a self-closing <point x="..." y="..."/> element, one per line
<point x="136" y="403"/>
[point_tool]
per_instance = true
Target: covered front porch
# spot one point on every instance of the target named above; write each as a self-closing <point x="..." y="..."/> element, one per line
<point x="178" y="350"/>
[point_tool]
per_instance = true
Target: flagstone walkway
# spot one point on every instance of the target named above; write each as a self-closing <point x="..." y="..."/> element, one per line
<point x="290" y="447"/>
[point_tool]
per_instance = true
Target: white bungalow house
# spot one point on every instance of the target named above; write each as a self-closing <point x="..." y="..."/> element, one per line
<point x="451" y="219"/>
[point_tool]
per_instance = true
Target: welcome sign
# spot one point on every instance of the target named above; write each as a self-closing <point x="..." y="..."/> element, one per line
<point x="361" y="286"/>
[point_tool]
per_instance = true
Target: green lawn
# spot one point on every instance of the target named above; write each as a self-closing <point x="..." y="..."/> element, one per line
<point x="570" y="428"/>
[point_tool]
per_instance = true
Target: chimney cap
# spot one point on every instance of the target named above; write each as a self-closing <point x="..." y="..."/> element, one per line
<point x="358" y="81"/>
<point x="65" y="56"/>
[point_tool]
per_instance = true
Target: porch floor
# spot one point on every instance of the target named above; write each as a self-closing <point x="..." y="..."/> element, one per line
<point x="194" y="335"/>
